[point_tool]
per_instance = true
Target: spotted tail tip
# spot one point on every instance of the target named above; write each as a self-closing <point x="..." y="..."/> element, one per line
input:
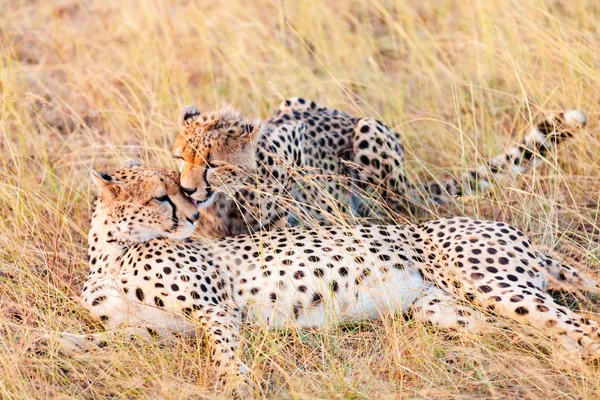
<point x="575" y="118"/>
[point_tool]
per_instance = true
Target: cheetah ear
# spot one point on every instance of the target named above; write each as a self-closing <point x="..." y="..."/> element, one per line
<point x="173" y="175"/>
<point x="106" y="185"/>
<point x="131" y="164"/>
<point x="251" y="130"/>
<point x="249" y="139"/>
<point x="186" y="115"/>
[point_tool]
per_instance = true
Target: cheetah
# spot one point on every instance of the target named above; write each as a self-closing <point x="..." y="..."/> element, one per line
<point x="148" y="276"/>
<point x="318" y="164"/>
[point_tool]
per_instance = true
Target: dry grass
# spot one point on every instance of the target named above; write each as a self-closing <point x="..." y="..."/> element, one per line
<point x="91" y="83"/>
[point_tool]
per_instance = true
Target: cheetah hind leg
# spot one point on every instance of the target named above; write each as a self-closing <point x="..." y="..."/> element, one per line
<point x="574" y="332"/>
<point x="440" y="309"/>
<point x="538" y="309"/>
<point x="565" y="278"/>
<point x="381" y="185"/>
<point x="379" y="158"/>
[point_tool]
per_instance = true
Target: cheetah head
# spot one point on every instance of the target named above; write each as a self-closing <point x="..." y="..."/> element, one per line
<point x="215" y="151"/>
<point x="140" y="203"/>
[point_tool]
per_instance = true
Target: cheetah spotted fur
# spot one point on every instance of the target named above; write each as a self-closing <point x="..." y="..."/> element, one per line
<point x="320" y="164"/>
<point x="148" y="277"/>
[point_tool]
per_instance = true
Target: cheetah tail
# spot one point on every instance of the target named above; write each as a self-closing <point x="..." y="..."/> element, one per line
<point x="532" y="150"/>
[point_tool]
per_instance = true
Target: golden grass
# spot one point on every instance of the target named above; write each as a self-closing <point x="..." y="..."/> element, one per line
<point x="90" y="83"/>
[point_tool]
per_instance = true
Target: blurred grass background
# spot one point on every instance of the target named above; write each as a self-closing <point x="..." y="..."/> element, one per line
<point x="91" y="83"/>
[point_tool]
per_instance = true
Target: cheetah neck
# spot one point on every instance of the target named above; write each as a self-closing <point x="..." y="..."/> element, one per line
<point x="103" y="247"/>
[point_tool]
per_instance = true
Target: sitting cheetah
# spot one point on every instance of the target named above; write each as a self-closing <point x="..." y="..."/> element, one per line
<point x="314" y="162"/>
<point x="146" y="275"/>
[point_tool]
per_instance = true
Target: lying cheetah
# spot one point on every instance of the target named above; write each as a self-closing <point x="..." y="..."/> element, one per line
<point x="146" y="275"/>
<point x="314" y="162"/>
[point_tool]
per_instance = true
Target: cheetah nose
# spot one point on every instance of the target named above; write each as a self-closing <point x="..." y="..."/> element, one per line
<point x="194" y="218"/>
<point x="188" y="191"/>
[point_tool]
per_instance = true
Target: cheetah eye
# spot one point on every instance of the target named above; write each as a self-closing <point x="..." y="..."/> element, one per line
<point x="162" y="199"/>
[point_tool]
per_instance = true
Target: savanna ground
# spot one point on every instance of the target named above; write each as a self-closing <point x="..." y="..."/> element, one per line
<point x="91" y="83"/>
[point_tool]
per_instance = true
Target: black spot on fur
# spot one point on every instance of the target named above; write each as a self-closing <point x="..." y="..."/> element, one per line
<point x="521" y="310"/>
<point x="139" y="293"/>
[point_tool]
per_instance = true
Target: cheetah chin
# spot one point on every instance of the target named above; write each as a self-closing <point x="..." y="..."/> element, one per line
<point x="200" y="204"/>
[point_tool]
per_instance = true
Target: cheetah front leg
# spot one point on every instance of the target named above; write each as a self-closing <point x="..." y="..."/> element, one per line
<point x="221" y="323"/>
<point x="440" y="309"/>
<point x="75" y="344"/>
